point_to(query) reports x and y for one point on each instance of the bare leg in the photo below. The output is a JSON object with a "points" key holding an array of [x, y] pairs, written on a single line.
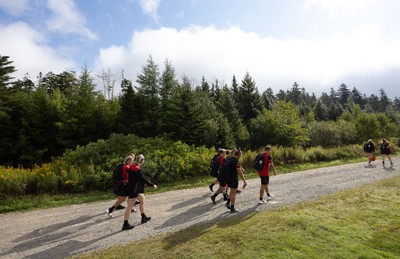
{"points": [[131, 203], [120, 200]]}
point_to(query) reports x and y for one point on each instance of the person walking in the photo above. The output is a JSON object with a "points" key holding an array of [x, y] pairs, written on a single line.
{"points": [[135, 190], [369, 148], [264, 175], [120, 186], [228, 176], [386, 150], [215, 165]]}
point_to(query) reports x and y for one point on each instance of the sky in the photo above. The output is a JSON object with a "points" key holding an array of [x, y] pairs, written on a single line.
{"points": [[319, 44]]}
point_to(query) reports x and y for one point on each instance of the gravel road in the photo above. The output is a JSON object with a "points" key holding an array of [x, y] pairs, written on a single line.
{"points": [[65, 231]]}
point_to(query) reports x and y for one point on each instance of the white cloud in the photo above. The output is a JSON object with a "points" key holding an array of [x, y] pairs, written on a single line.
{"points": [[15, 7], [337, 5], [67, 19], [220, 54], [29, 52], [150, 7]]}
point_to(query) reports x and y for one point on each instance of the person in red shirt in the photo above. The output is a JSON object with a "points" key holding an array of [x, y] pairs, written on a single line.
{"points": [[264, 174]]}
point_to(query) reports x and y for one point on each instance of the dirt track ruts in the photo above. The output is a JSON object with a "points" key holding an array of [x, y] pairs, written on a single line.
{"points": [[65, 231]]}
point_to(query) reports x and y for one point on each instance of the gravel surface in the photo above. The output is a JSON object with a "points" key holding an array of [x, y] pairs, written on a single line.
{"points": [[65, 231]]}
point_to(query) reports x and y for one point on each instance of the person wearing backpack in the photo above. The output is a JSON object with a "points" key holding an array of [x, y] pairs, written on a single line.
{"points": [[263, 172], [215, 164], [228, 177], [135, 191], [369, 148], [386, 150], [120, 178]]}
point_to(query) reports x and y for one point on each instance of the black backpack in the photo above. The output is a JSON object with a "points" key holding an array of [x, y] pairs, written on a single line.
{"points": [[258, 162], [117, 174], [214, 166]]}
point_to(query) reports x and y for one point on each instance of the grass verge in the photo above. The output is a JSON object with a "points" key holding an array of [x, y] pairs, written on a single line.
{"points": [[357, 223]]}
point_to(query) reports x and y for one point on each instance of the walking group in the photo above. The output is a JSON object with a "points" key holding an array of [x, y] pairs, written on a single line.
{"points": [[129, 181], [226, 171], [385, 150]]}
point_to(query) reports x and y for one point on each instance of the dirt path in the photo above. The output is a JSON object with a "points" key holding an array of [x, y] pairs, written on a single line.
{"points": [[65, 231]]}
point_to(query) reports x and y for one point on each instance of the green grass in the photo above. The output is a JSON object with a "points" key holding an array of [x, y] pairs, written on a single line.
{"points": [[357, 223], [30, 202]]}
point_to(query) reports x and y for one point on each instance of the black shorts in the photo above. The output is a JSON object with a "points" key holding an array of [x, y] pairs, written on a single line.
{"points": [[232, 183], [264, 180], [120, 189], [132, 195]]}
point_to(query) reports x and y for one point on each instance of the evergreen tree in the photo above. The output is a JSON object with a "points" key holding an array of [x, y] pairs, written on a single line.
{"points": [[186, 117], [149, 97], [344, 95], [228, 108], [268, 98], [250, 103], [320, 111], [129, 108]]}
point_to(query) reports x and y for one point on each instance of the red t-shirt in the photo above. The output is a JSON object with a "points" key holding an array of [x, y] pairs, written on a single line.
{"points": [[221, 160], [267, 160]]}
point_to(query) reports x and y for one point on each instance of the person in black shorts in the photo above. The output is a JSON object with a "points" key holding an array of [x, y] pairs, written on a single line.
{"points": [[386, 150], [120, 188], [135, 190], [228, 176], [369, 148]]}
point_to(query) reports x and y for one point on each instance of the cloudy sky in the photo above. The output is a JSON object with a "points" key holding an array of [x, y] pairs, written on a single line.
{"points": [[319, 44]]}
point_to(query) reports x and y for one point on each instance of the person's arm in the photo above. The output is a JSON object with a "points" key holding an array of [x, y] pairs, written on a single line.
{"points": [[271, 164], [143, 178], [240, 173]]}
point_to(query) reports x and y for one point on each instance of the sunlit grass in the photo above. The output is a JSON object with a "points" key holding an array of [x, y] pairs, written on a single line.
{"points": [[357, 223]]}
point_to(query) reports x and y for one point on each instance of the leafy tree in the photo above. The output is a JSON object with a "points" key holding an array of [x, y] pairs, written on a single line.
{"points": [[280, 126]]}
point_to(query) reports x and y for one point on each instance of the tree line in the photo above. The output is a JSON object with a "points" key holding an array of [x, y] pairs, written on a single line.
{"points": [[41, 120]]}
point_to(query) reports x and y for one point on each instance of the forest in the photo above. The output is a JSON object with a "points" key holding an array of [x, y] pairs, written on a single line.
{"points": [[44, 118]]}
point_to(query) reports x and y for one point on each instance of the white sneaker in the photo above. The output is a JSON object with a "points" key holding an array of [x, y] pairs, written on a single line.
{"points": [[269, 198], [109, 214], [261, 201]]}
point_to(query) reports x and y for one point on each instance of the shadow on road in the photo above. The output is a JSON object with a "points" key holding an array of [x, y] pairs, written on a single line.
{"points": [[53, 234], [193, 232]]}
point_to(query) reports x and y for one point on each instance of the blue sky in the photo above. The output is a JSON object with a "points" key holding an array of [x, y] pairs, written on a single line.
{"points": [[319, 44]]}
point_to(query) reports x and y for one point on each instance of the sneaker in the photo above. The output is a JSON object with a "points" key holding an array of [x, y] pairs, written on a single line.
{"points": [[213, 199], [120, 207], [269, 198], [238, 191], [261, 201], [109, 213], [145, 219], [133, 210], [228, 206], [127, 226], [226, 197], [234, 210], [211, 187]]}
